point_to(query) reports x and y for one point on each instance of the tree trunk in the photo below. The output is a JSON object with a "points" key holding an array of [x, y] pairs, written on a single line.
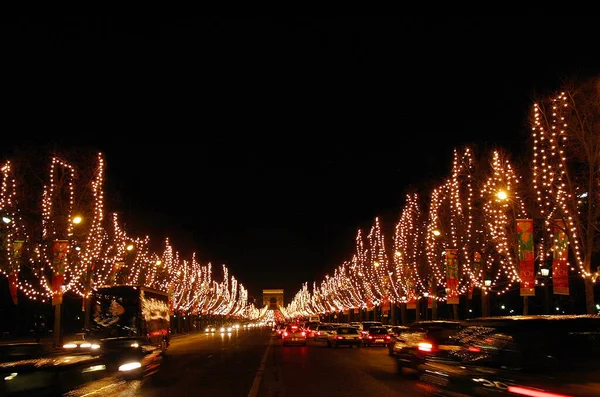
{"points": [[525, 305], [455, 311], [589, 296], [403, 313], [434, 306]]}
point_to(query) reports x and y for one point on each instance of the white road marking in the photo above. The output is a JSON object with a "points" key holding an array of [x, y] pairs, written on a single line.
{"points": [[259, 373]]}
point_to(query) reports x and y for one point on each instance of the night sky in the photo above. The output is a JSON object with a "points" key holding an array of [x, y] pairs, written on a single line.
{"points": [[266, 143]]}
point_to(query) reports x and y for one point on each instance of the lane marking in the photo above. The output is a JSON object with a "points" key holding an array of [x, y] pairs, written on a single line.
{"points": [[259, 373]]}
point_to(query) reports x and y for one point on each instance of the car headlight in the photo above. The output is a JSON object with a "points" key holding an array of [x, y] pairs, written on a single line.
{"points": [[207, 330], [95, 346], [222, 329], [85, 345], [70, 345], [229, 329], [130, 366]]}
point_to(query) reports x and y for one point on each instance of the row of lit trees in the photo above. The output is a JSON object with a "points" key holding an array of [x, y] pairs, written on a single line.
{"points": [[487, 226], [67, 245]]}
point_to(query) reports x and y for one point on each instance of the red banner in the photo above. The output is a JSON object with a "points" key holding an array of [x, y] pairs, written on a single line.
{"points": [[57, 283], [560, 265], [452, 276], [356, 310], [13, 277], [526, 258], [13, 284], [411, 304]]}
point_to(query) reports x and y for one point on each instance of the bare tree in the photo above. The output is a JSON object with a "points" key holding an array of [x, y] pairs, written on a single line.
{"points": [[566, 171]]}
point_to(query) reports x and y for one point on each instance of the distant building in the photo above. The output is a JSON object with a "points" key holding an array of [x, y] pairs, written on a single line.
{"points": [[273, 298]]}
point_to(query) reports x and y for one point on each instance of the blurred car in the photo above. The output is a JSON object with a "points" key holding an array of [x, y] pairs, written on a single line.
{"points": [[310, 329], [368, 324], [322, 332], [29, 369], [344, 336], [394, 331], [79, 344], [356, 325], [425, 338], [376, 336], [293, 335], [130, 357], [540, 356], [279, 329], [209, 329]]}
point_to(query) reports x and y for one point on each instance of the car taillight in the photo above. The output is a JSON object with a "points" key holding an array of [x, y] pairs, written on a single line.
{"points": [[285, 334], [474, 349], [339, 337], [303, 333], [523, 391], [370, 336], [387, 337], [425, 347], [318, 332]]}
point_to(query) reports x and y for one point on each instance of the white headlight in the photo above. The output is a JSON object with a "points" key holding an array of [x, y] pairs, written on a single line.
{"points": [[86, 345], [130, 366], [207, 330], [69, 345]]}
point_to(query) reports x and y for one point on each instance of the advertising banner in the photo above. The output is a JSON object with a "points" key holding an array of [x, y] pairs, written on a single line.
{"points": [[560, 265], [526, 257], [60, 248], [452, 276], [13, 276]]}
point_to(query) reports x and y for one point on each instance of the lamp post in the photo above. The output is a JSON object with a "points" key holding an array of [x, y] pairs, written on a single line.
{"points": [[545, 277]]}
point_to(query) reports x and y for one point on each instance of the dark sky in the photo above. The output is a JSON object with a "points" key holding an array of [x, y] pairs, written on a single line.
{"points": [[265, 143]]}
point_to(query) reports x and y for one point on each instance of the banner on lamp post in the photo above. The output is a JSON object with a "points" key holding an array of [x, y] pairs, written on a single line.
{"points": [[60, 248], [452, 276], [476, 274], [356, 309], [560, 265], [526, 258], [13, 276], [411, 303]]}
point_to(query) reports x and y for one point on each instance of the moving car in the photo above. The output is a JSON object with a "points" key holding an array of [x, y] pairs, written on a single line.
{"points": [[80, 344], [395, 331], [293, 335], [376, 336], [344, 336], [368, 324], [541, 356], [423, 339], [322, 331], [29, 369], [210, 329]]}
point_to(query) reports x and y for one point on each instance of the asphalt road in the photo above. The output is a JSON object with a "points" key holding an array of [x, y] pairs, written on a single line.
{"points": [[254, 364]]}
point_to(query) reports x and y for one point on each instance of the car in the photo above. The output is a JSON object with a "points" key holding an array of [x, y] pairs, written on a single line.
{"points": [[376, 336], [422, 339], [357, 325], [539, 355], [131, 357], [344, 336], [279, 329], [368, 324], [322, 331], [79, 344], [394, 331], [211, 328], [293, 335], [28, 368]]}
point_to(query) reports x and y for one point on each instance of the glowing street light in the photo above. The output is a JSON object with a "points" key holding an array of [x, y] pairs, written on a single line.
{"points": [[6, 219], [436, 232], [130, 247], [77, 220], [502, 195]]}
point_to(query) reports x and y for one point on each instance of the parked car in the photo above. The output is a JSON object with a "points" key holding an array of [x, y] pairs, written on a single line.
{"points": [[293, 335], [543, 356], [422, 339], [322, 331], [394, 332], [344, 336], [376, 336]]}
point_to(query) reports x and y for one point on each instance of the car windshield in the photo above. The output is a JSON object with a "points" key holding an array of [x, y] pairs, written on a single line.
{"points": [[378, 331], [347, 331]]}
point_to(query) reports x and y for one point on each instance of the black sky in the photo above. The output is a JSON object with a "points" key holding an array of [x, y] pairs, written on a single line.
{"points": [[265, 143]]}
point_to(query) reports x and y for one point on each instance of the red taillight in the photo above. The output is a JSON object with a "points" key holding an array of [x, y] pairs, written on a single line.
{"points": [[370, 336], [285, 334], [339, 337], [387, 337], [303, 333], [523, 391], [474, 349], [425, 347], [318, 332]]}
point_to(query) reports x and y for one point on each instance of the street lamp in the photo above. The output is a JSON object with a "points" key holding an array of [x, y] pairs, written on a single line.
{"points": [[487, 283], [545, 272], [6, 219]]}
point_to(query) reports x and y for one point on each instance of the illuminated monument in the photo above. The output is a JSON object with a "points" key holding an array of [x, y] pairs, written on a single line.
{"points": [[273, 298]]}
